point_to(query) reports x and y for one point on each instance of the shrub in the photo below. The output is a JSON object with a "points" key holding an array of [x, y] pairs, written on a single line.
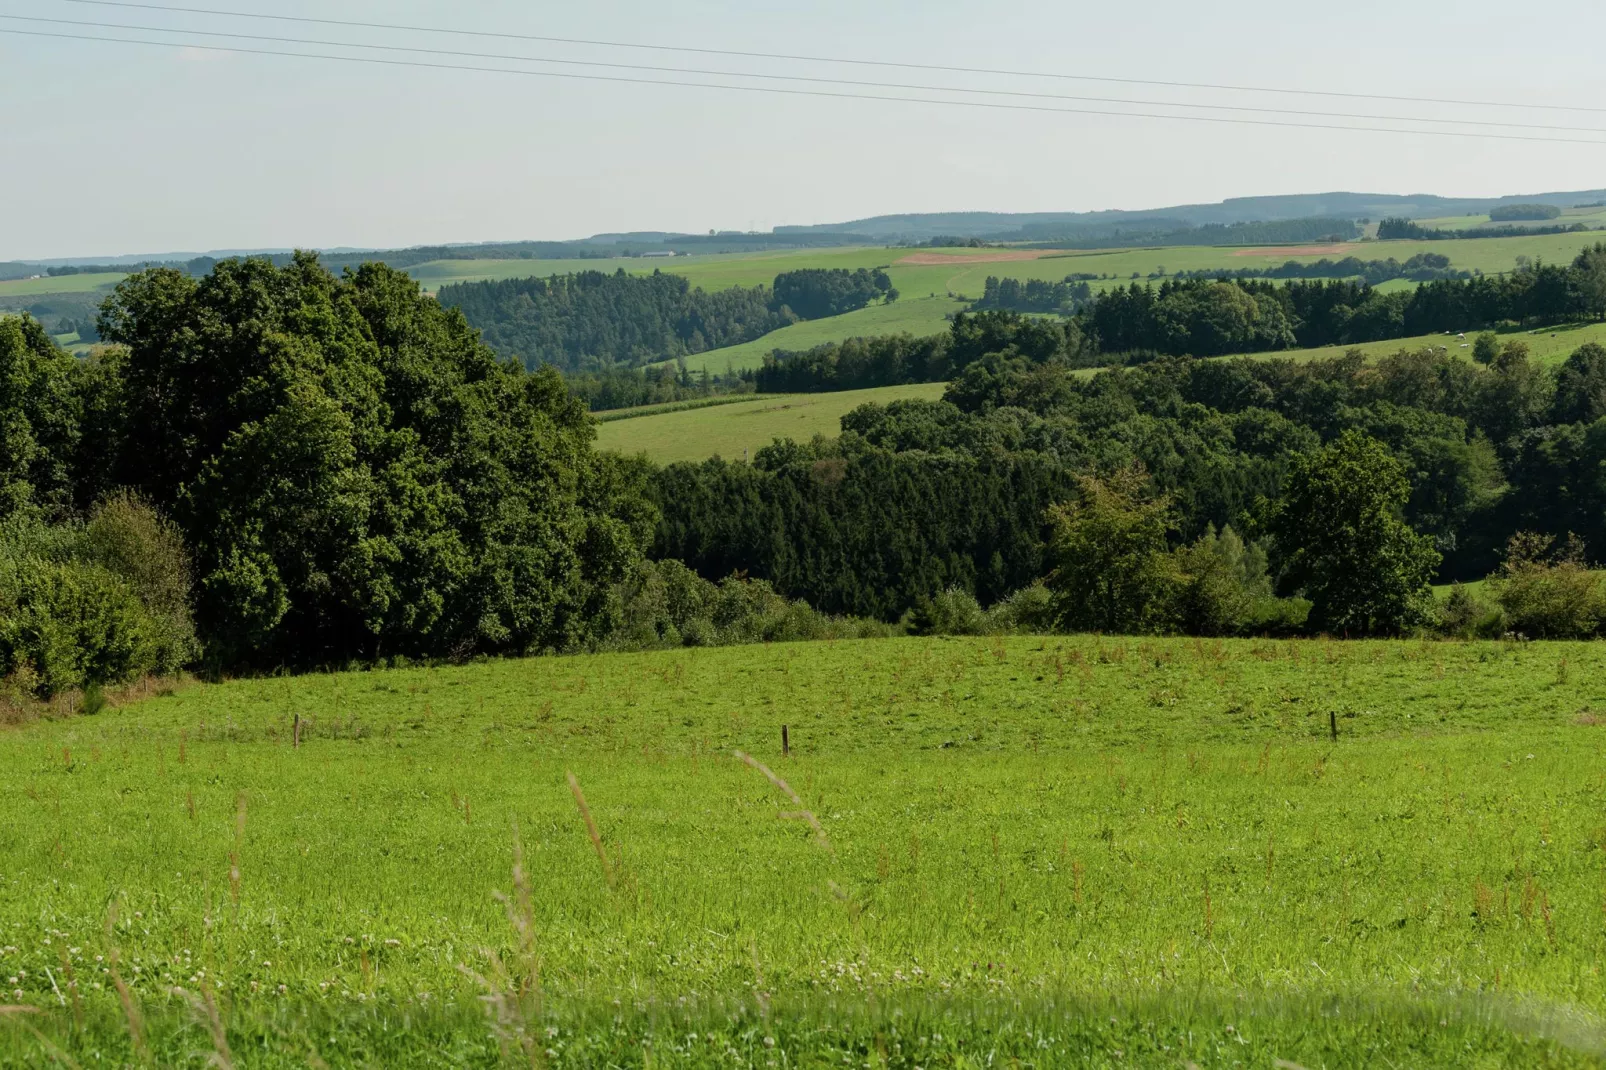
{"points": [[666, 604], [953, 611], [64, 625], [1548, 592], [131, 539], [1221, 582], [1029, 610], [1466, 616], [92, 604]]}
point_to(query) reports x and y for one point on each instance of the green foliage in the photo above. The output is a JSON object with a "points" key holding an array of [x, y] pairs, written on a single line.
{"points": [[67, 622], [591, 321], [1511, 213], [1110, 569], [1223, 587], [1581, 387], [1486, 347], [1036, 295], [1548, 591], [356, 475], [815, 293], [1465, 615], [1590, 279], [1344, 545], [38, 422], [953, 611], [665, 604]]}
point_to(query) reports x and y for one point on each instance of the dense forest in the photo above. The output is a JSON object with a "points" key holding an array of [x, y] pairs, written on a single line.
{"points": [[592, 322], [815, 293], [917, 496], [1065, 297], [1178, 232]]}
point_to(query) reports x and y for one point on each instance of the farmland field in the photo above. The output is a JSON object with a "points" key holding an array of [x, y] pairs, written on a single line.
{"points": [[1589, 217], [60, 284], [918, 316], [1043, 851], [1547, 345], [745, 426], [968, 270]]}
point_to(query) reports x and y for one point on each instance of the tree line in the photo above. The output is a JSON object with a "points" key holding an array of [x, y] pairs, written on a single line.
{"points": [[1407, 229], [1423, 267], [591, 322]]}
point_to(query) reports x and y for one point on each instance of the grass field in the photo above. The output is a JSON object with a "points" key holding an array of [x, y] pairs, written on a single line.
{"points": [[917, 316], [1589, 217], [1548, 345], [742, 428], [60, 284], [1036, 852]]}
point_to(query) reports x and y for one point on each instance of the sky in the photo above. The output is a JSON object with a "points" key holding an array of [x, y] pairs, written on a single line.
{"points": [[114, 149]]}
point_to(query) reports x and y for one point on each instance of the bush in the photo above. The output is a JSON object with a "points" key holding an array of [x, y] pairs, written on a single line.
{"points": [[94, 604], [131, 539], [1221, 583], [1466, 616], [1548, 592], [64, 625], [666, 604], [953, 611], [1029, 610]]}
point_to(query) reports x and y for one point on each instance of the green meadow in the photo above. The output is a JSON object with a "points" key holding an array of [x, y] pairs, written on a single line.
{"points": [[1026, 851], [741, 428], [1589, 217], [918, 316], [60, 284], [1546, 345]]}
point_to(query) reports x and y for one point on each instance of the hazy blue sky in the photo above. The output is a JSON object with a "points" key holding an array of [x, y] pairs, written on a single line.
{"points": [[116, 149]]}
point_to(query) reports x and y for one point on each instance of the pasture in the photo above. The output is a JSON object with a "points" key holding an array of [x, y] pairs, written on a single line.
{"points": [[918, 316], [742, 428], [1546, 345], [1589, 217], [1043, 851], [60, 284]]}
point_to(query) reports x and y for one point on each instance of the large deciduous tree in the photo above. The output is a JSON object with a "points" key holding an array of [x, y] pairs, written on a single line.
{"points": [[1342, 541], [1111, 569], [356, 474]]}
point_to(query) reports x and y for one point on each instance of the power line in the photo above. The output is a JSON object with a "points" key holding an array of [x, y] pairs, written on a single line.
{"points": [[833, 59], [801, 78], [777, 90], [804, 78]]}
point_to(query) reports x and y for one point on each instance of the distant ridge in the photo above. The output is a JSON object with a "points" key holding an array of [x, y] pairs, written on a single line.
{"points": [[1004, 225], [910, 227]]}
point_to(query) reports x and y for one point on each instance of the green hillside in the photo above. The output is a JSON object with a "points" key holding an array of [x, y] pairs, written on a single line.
{"points": [[917, 316], [742, 428], [59, 284]]}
